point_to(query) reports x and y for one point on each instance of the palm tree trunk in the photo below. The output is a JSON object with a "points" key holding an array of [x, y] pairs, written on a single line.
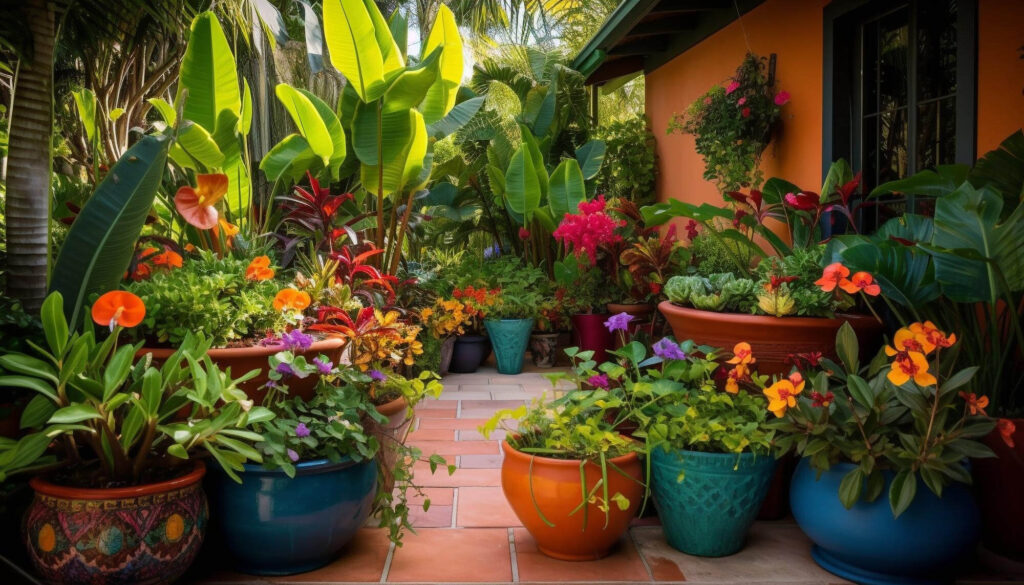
{"points": [[29, 159]]}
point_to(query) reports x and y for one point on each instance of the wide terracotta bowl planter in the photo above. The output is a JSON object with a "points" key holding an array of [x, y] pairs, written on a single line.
{"points": [[999, 483], [639, 311], [244, 359], [145, 535], [556, 492], [772, 339]]}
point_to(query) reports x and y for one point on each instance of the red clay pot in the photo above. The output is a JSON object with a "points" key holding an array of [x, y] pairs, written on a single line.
{"points": [[640, 311], [772, 339], [391, 436], [589, 333], [145, 535], [243, 359], [556, 492], [999, 483]]}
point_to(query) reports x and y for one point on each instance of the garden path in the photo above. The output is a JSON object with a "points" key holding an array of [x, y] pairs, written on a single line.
{"points": [[470, 535]]}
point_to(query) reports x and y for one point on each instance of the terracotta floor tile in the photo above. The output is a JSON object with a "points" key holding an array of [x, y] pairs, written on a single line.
{"points": [[457, 447], [437, 412], [475, 435], [447, 396], [362, 561], [509, 387], [480, 461], [437, 555], [432, 435], [484, 507], [461, 477], [488, 404], [451, 423], [438, 496], [435, 517], [624, 564], [432, 404]]}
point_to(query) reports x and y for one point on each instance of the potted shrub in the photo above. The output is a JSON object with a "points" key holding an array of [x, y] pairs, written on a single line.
{"points": [[573, 481], [550, 322], [785, 305], [472, 347], [445, 320], [962, 270], [121, 499], [583, 294], [882, 486], [509, 321]]}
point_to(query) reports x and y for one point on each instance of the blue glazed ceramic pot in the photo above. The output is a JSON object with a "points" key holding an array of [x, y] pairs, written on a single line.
{"points": [[469, 352], [709, 513], [867, 545], [275, 525], [509, 338]]}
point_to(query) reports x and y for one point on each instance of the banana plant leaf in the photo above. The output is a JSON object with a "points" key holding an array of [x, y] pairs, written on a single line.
{"points": [[522, 188], [308, 120], [566, 189], [208, 74], [100, 244], [460, 115], [352, 43], [591, 157], [440, 99], [1003, 169]]}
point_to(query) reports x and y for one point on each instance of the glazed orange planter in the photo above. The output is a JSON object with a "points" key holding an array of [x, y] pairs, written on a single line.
{"points": [[146, 535], [557, 491], [244, 359], [772, 339]]}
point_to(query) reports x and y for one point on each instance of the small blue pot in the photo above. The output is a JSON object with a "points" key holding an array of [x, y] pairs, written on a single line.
{"points": [[469, 352], [865, 544], [275, 525], [509, 338], [709, 513]]}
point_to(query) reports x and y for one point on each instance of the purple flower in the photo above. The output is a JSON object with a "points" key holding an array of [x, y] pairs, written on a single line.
{"points": [[324, 365], [301, 430], [283, 368], [618, 322], [270, 385], [293, 455], [377, 375], [296, 340], [492, 252], [669, 350], [599, 380]]}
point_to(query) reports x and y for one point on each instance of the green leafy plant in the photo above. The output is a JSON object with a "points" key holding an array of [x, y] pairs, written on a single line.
{"points": [[733, 125], [629, 169], [115, 421], [906, 416], [209, 295]]}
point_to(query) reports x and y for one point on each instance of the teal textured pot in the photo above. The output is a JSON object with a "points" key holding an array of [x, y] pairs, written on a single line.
{"points": [[509, 338], [709, 513]]}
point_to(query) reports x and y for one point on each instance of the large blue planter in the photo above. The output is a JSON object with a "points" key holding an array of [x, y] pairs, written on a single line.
{"points": [[275, 525], [509, 338], [709, 513], [867, 545]]}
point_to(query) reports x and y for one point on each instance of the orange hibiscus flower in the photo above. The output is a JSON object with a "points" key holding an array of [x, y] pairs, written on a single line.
{"points": [[289, 299]]}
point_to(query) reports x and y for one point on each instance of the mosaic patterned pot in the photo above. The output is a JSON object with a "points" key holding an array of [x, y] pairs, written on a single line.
{"points": [[145, 535], [709, 513]]}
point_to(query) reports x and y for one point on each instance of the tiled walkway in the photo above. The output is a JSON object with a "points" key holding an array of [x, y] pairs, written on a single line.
{"points": [[470, 535]]}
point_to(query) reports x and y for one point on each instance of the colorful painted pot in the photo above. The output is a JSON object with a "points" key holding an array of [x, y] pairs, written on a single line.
{"points": [[590, 334], [509, 337], [145, 535], [470, 351], [544, 349], [553, 488], [865, 544], [272, 524], [709, 512]]}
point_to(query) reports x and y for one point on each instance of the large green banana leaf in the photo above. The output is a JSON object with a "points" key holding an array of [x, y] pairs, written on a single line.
{"points": [[100, 244], [410, 87], [440, 99], [208, 74], [352, 43], [196, 148], [522, 189], [591, 157], [403, 172], [389, 49], [334, 128], [85, 101], [395, 132], [230, 143], [288, 159], [307, 119], [460, 115], [566, 189]]}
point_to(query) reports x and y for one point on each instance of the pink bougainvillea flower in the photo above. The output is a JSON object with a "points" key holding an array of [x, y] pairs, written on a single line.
{"points": [[588, 230], [804, 200], [198, 204], [741, 101], [733, 86], [781, 98]]}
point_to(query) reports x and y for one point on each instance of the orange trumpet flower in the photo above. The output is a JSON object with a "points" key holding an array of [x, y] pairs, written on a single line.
{"points": [[118, 307]]}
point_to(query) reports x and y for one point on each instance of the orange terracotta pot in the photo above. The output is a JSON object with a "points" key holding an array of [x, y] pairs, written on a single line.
{"points": [[772, 339], [244, 359], [391, 437], [640, 311], [557, 491]]}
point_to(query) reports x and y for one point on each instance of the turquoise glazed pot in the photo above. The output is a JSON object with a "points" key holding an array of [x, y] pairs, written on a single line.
{"points": [[275, 525], [509, 337], [865, 544], [709, 513]]}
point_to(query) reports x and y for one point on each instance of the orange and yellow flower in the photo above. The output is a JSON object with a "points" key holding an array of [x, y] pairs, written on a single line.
{"points": [[861, 282], [834, 275], [197, 205], [168, 258], [931, 336], [743, 357], [910, 364], [1006, 430], [975, 404], [289, 299], [118, 308], [782, 394], [905, 341], [259, 269]]}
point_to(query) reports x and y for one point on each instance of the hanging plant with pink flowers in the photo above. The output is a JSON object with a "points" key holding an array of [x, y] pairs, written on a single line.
{"points": [[733, 124]]}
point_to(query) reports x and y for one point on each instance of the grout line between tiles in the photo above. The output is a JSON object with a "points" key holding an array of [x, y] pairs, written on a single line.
{"points": [[640, 553], [387, 563], [458, 409], [512, 554], [455, 506]]}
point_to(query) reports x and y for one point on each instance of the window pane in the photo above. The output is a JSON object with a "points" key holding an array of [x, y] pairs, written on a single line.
{"points": [[892, 145], [893, 38], [870, 72], [936, 48], [936, 133], [869, 166]]}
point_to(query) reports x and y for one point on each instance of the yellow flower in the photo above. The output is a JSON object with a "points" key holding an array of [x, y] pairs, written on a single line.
{"points": [[906, 340], [742, 354], [426, 313], [910, 364], [782, 394]]}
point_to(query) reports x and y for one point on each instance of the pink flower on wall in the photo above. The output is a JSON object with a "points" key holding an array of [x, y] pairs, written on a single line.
{"points": [[745, 112], [781, 98], [741, 101], [733, 86]]}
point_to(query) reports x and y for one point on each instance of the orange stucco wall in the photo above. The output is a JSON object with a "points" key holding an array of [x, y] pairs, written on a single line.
{"points": [[792, 29]]}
